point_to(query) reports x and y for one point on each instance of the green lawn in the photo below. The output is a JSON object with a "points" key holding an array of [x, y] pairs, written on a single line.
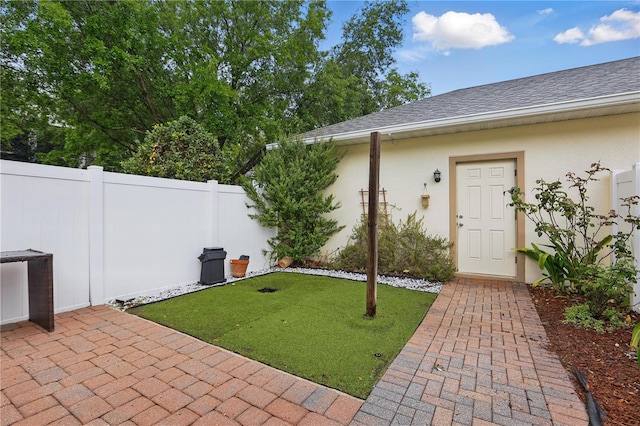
{"points": [[312, 326]]}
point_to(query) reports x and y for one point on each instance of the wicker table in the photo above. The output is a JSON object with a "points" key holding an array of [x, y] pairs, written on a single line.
{"points": [[40, 276]]}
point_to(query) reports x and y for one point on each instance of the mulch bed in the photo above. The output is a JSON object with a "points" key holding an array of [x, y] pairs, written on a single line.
{"points": [[613, 378]]}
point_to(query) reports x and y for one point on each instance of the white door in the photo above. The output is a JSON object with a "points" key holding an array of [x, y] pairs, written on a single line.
{"points": [[486, 226]]}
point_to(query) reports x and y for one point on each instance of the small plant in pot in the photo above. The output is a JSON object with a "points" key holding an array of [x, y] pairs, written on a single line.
{"points": [[239, 266]]}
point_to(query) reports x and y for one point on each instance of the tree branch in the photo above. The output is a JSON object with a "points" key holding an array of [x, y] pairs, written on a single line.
{"points": [[250, 164], [147, 98]]}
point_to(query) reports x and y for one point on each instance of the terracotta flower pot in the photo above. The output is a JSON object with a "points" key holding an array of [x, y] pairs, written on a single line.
{"points": [[238, 267]]}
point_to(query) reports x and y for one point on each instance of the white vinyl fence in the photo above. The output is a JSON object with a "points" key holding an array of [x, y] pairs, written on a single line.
{"points": [[114, 235], [626, 184]]}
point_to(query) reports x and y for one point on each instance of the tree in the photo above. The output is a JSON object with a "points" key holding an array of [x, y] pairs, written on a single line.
{"points": [[357, 77], [180, 149], [99, 75], [107, 72], [287, 194], [251, 63], [91, 69]]}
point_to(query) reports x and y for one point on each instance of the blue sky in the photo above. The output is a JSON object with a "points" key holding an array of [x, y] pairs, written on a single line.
{"points": [[459, 44]]}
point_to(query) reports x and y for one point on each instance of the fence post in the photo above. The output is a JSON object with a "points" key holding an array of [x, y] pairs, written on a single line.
{"points": [[635, 297], [96, 235], [213, 223]]}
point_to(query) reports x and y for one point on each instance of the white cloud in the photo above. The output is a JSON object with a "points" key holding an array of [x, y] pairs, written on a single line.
{"points": [[411, 55], [622, 24], [547, 11], [456, 30], [572, 35]]}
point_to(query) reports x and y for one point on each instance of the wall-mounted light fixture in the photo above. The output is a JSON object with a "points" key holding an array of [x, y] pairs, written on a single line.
{"points": [[436, 175]]}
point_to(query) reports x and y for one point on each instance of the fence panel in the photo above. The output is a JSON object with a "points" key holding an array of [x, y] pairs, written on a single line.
{"points": [[114, 235], [239, 234], [154, 230], [44, 208], [626, 184]]}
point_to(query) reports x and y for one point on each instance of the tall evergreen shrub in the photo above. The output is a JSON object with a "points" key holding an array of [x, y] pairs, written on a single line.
{"points": [[287, 193]]}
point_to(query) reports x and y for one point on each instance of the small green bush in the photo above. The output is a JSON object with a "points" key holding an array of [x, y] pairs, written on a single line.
{"points": [[180, 149], [607, 287], [580, 315], [403, 249], [581, 246]]}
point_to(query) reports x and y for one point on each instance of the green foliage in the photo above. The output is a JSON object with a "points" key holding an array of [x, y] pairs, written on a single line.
{"points": [[554, 266], [83, 81], [577, 234], [582, 246], [607, 287], [580, 315], [357, 76], [635, 341], [180, 149], [287, 194], [88, 68], [403, 249], [312, 326]]}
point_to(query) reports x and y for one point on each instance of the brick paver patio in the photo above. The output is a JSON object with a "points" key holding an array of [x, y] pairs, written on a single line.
{"points": [[477, 358], [105, 367]]}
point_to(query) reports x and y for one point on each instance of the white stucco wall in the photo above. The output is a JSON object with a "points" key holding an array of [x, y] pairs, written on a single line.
{"points": [[550, 151]]}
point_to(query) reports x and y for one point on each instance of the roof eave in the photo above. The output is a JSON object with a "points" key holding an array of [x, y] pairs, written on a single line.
{"points": [[561, 111]]}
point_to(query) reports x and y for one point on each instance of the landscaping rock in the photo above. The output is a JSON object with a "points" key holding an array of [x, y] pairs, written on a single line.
{"points": [[403, 282]]}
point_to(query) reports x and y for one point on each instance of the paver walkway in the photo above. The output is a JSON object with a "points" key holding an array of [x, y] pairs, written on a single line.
{"points": [[477, 358]]}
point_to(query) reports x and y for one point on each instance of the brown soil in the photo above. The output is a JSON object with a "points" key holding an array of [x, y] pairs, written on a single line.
{"points": [[613, 378]]}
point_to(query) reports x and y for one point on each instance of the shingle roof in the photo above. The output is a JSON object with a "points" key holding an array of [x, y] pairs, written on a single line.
{"points": [[587, 82]]}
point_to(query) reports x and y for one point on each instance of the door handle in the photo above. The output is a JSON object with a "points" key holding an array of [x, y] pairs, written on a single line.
{"points": [[460, 224]]}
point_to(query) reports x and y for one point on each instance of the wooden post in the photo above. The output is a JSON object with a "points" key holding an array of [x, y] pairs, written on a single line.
{"points": [[372, 224]]}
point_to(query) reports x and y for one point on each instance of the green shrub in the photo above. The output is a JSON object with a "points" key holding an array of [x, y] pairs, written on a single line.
{"points": [[578, 235], [180, 149], [287, 194], [554, 267], [580, 315], [581, 247], [607, 287], [403, 249]]}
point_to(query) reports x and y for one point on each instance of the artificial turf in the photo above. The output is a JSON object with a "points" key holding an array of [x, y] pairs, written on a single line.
{"points": [[313, 326]]}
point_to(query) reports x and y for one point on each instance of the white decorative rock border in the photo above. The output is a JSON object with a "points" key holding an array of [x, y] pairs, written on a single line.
{"points": [[403, 282]]}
